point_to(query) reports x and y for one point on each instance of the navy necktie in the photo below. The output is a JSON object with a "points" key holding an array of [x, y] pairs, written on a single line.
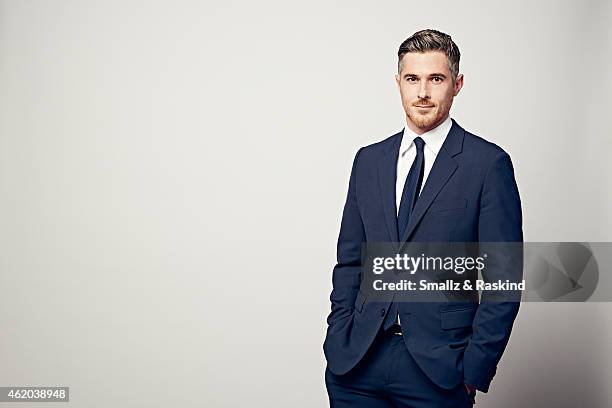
{"points": [[412, 187]]}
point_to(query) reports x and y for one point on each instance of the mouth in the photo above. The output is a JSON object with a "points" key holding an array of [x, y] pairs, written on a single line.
{"points": [[424, 106]]}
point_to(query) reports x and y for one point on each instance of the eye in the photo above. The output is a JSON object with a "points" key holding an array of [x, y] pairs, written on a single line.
{"points": [[437, 79], [411, 79]]}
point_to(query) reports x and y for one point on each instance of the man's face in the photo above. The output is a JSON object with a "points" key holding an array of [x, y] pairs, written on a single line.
{"points": [[427, 89]]}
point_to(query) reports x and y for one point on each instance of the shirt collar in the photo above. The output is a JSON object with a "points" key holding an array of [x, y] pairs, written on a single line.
{"points": [[433, 138]]}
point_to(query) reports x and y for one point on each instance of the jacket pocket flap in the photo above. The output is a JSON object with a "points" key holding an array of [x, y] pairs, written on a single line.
{"points": [[447, 205], [454, 319]]}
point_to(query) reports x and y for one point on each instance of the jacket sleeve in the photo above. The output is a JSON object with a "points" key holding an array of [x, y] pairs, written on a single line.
{"points": [[500, 220], [346, 276]]}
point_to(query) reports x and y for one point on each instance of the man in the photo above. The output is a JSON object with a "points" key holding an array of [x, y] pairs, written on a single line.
{"points": [[434, 181]]}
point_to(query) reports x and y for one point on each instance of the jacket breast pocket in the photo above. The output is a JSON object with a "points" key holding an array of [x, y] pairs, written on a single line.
{"points": [[448, 207], [456, 319]]}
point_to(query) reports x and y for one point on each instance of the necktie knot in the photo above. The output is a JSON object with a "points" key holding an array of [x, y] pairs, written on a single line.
{"points": [[419, 143]]}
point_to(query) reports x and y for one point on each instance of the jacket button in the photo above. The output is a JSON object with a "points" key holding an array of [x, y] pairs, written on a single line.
{"points": [[382, 312]]}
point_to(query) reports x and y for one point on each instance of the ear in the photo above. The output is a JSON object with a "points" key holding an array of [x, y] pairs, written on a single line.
{"points": [[458, 84], [397, 80]]}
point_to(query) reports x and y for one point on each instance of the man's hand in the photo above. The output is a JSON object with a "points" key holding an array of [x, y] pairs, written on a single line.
{"points": [[470, 388]]}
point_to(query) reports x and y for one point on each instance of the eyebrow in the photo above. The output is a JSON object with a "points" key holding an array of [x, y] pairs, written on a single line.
{"points": [[437, 74]]}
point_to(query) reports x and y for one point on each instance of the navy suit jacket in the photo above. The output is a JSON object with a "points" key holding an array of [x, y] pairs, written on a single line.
{"points": [[470, 195]]}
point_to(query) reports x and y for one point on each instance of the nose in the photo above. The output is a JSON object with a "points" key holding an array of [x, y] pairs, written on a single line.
{"points": [[424, 90]]}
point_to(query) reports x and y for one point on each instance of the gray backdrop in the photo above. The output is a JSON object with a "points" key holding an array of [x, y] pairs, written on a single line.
{"points": [[169, 169]]}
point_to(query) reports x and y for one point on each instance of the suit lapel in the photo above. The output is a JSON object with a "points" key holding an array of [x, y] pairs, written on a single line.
{"points": [[443, 168], [387, 174]]}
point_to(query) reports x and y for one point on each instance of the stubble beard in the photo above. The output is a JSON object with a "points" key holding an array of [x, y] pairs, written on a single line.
{"points": [[430, 119], [423, 121]]}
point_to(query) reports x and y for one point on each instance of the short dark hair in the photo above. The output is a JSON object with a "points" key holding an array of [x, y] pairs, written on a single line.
{"points": [[431, 40]]}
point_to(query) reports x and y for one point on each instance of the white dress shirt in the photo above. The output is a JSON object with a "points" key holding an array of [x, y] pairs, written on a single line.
{"points": [[433, 142]]}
